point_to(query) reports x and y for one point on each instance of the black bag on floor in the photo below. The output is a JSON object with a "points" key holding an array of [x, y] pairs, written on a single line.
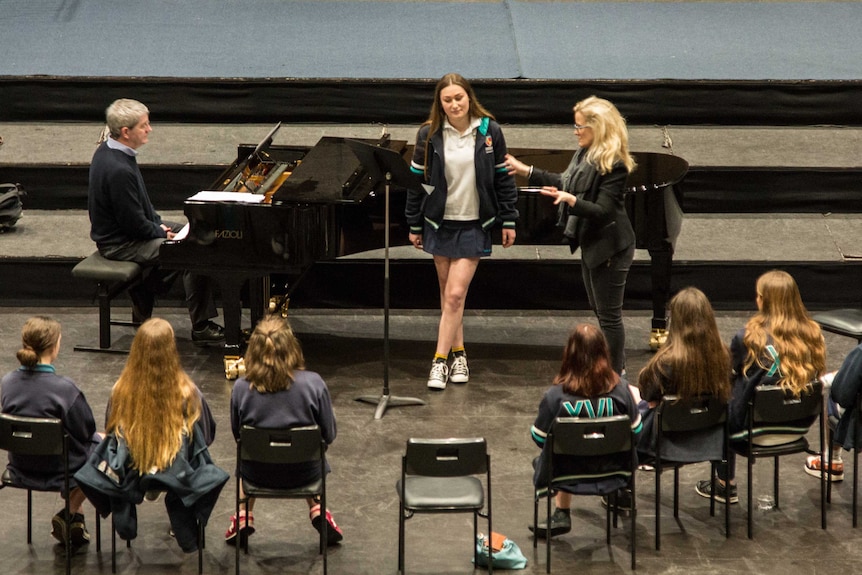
{"points": [[10, 205]]}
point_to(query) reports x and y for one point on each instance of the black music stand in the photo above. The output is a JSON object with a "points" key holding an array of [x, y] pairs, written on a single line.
{"points": [[385, 165]]}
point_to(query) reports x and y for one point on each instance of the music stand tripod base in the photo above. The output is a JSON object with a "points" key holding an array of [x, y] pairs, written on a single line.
{"points": [[384, 401]]}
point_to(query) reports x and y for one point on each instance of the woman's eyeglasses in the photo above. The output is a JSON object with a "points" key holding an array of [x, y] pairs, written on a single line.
{"points": [[578, 127]]}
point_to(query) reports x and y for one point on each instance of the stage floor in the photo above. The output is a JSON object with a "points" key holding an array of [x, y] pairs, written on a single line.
{"points": [[513, 358]]}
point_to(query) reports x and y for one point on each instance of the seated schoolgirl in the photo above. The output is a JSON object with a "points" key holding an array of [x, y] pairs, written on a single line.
{"points": [[693, 362], [35, 390], [159, 427], [586, 386], [278, 392]]}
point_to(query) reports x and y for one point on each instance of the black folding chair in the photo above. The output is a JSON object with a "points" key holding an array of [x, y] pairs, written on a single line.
{"points": [[832, 425], [774, 411], [36, 436], [693, 417], [605, 448], [282, 446], [441, 476]]}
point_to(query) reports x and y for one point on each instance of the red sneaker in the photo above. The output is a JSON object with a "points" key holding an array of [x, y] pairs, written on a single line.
{"points": [[333, 531], [244, 529]]}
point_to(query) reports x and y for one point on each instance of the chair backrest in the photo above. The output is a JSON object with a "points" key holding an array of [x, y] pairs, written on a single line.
{"points": [[293, 445], [772, 404], [451, 457], [32, 435], [592, 437], [691, 414]]}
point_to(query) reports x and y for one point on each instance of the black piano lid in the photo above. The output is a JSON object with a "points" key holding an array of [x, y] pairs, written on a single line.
{"points": [[323, 173], [655, 171]]}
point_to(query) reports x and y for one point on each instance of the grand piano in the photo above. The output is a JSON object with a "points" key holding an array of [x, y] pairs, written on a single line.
{"points": [[279, 209]]}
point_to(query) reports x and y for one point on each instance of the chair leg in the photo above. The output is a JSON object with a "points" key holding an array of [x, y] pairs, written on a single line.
{"points": [[828, 475], [634, 518], [775, 482], [29, 517], [676, 492], [113, 546], [657, 472], [855, 482], [98, 533], [200, 548], [548, 532], [535, 520], [401, 537], [750, 490]]}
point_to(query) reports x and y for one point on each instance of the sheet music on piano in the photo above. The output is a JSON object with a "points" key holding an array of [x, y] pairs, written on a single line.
{"points": [[217, 196]]}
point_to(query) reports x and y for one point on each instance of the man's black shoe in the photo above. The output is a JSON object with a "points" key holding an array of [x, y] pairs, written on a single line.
{"points": [[561, 523], [210, 334]]}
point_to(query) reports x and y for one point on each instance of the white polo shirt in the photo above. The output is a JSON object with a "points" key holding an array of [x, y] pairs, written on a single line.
{"points": [[459, 150]]}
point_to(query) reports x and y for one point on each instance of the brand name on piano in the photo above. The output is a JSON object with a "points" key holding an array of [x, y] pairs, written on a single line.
{"points": [[228, 234]]}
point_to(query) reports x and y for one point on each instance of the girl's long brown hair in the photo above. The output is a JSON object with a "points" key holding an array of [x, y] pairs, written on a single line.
{"points": [[437, 115], [796, 337], [154, 402], [694, 361], [586, 369]]}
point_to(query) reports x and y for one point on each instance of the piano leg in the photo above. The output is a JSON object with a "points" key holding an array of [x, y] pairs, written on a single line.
{"points": [[660, 271]]}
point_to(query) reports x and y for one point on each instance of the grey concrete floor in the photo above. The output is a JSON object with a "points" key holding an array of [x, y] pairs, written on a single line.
{"points": [[513, 357]]}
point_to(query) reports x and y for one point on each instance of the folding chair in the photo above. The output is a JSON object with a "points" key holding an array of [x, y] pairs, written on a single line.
{"points": [[693, 417], [441, 476], [281, 446], [774, 411], [605, 449], [37, 437], [832, 425]]}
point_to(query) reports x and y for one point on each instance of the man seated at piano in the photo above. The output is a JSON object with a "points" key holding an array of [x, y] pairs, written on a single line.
{"points": [[126, 226]]}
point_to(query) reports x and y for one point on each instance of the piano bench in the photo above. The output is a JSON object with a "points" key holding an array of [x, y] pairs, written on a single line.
{"points": [[112, 278], [847, 322]]}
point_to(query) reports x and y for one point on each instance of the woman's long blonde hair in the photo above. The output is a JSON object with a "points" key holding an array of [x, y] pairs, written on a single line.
{"points": [[154, 402], [610, 135], [796, 337], [272, 356], [694, 359]]}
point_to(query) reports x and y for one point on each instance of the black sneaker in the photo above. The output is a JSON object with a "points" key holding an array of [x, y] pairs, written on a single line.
{"points": [[211, 334], [561, 523], [80, 535], [721, 491], [624, 502], [58, 526]]}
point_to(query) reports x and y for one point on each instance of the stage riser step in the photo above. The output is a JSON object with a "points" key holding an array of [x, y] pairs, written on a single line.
{"points": [[499, 284], [705, 189], [400, 101]]}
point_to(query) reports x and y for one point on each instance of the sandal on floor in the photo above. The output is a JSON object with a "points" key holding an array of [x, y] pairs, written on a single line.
{"points": [[333, 531]]}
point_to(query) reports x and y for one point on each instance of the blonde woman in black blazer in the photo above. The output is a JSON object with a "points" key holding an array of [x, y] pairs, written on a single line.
{"points": [[590, 193]]}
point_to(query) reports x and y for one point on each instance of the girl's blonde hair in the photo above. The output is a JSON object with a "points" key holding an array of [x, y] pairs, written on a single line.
{"points": [[796, 337], [154, 403]]}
